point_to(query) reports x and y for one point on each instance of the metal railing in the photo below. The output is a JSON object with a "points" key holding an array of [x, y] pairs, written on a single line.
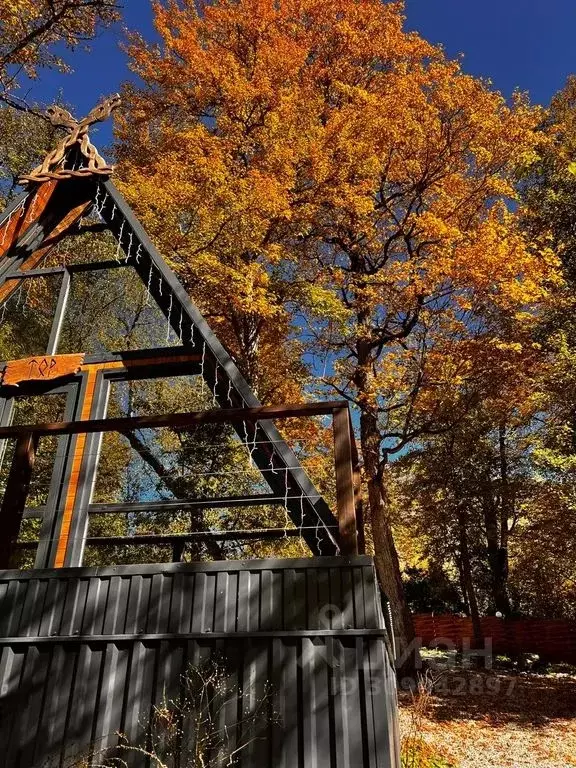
{"points": [[346, 530]]}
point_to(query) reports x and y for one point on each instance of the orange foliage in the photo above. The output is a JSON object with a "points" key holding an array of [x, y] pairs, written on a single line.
{"points": [[263, 126], [313, 153]]}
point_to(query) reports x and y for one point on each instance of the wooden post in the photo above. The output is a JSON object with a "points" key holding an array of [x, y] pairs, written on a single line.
{"points": [[357, 489], [343, 464], [14, 500]]}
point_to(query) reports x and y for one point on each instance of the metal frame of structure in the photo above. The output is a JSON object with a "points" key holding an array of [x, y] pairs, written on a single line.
{"points": [[90, 654], [68, 200]]}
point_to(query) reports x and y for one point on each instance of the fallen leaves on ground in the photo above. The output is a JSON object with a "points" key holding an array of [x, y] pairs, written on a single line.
{"points": [[494, 719]]}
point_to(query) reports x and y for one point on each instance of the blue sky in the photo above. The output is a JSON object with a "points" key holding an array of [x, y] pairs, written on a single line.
{"points": [[525, 44]]}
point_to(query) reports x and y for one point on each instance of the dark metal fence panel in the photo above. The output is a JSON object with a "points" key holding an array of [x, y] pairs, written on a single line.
{"points": [[247, 596], [87, 654]]}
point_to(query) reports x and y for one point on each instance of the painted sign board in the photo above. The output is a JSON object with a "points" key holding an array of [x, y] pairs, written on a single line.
{"points": [[41, 368]]}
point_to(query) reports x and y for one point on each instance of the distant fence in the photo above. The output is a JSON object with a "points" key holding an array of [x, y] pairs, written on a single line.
{"points": [[552, 639]]}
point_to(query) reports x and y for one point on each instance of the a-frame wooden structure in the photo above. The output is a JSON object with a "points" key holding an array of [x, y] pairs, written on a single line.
{"points": [[87, 654], [34, 225]]}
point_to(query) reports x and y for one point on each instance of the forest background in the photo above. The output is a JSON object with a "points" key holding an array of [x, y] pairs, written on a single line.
{"points": [[358, 217]]}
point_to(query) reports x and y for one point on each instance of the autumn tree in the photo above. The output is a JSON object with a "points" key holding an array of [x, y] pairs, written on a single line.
{"points": [[548, 215], [33, 34], [25, 139], [466, 491], [31, 30], [313, 154], [491, 505]]}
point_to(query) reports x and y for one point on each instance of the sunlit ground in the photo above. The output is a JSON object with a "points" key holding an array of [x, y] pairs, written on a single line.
{"points": [[503, 718]]}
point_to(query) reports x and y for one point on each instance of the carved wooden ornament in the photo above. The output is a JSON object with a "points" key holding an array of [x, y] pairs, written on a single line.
{"points": [[41, 368], [51, 167]]}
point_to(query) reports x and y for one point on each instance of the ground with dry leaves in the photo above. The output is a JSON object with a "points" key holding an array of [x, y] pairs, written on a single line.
{"points": [[497, 719]]}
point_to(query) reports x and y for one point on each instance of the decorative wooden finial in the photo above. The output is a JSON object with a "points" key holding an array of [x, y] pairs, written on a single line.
{"points": [[52, 167]]}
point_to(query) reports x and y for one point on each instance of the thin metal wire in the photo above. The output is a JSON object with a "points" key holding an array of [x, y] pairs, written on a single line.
{"points": [[272, 500], [208, 533]]}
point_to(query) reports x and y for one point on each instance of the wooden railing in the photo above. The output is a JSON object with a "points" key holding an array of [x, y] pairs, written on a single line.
{"points": [[346, 530]]}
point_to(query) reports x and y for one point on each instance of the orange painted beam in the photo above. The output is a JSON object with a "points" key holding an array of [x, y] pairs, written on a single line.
{"points": [[48, 243], [92, 369], [20, 220], [77, 460]]}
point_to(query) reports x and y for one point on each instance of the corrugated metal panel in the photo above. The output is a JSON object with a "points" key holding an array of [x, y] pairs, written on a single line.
{"points": [[87, 653], [250, 596]]}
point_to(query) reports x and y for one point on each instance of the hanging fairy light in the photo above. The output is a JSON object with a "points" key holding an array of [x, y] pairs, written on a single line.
{"points": [[119, 244], [214, 401], [149, 285], [169, 326], [129, 253]]}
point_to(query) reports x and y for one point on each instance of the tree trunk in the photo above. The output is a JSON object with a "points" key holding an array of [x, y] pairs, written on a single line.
{"points": [[506, 514], [462, 582], [468, 582], [497, 557], [385, 554]]}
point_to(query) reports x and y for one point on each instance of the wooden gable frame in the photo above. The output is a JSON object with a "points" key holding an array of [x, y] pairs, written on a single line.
{"points": [[35, 223]]}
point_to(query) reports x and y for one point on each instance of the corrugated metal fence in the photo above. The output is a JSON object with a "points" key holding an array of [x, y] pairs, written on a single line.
{"points": [[86, 655]]}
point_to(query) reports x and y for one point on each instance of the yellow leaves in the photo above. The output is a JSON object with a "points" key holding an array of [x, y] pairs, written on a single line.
{"points": [[30, 29], [323, 303]]}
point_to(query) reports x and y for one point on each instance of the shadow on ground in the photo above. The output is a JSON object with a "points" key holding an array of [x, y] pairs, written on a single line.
{"points": [[500, 697]]}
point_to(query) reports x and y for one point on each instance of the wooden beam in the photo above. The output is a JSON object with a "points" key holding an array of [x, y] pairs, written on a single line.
{"points": [[357, 477], [345, 502], [14, 501], [47, 244], [41, 368], [26, 209], [175, 420], [75, 473]]}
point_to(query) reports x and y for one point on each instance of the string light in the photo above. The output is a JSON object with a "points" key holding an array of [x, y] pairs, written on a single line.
{"points": [[119, 244], [6, 228], [202, 363], [148, 287], [97, 198], [33, 206], [286, 492], [169, 328], [130, 239], [214, 402]]}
